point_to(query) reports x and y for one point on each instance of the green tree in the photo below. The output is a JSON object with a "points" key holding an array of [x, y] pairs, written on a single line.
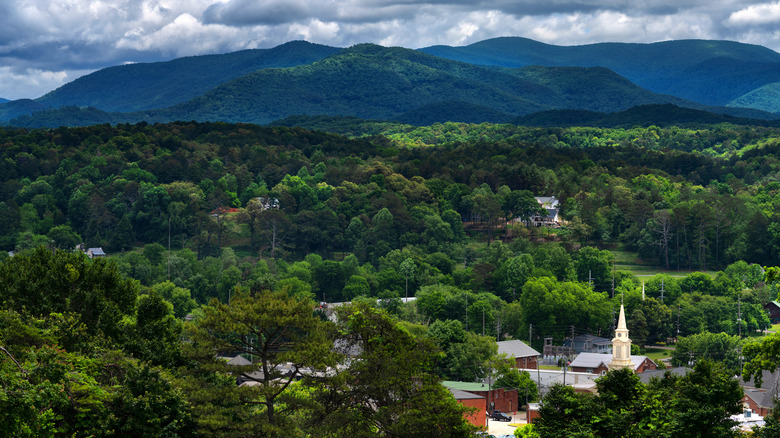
{"points": [[41, 282], [407, 270], [273, 329], [63, 237], [596, 265], [389, 388], [179, 297], [708, 346]]}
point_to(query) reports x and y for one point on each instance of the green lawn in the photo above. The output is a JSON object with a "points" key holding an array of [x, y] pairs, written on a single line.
{"points": [[628, 261], [656, 354]]}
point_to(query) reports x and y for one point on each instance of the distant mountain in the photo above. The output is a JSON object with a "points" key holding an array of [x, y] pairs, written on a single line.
{"points": [[708, 72], [368, 81], [766, 98], [4, 100], [374, 82], [135, 87], [16, 108], [644, 115]]}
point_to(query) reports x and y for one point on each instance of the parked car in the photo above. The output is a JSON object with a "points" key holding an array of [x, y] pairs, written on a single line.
{"points": [[500, 416]]}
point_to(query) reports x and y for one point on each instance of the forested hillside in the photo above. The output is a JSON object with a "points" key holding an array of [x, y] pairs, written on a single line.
{"points": [[143, 86], [709, 72], [246, 228], [366, 81]]}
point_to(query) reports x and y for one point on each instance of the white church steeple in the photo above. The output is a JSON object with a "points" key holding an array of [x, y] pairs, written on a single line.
{"points": [[621, 344]]}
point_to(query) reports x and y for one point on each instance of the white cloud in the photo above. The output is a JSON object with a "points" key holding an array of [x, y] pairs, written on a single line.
{"points": [[32, 82], [764, 13]]}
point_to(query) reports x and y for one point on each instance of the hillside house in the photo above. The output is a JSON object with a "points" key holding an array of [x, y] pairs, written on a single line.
{"points": [[551, 219], [773, 307], [95, 253]]}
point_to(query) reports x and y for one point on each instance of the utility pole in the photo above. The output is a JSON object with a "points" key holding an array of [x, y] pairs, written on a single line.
{"points": [[467, 313], [590, 279], [530, 328], [169, 248], [739, 315], [662, 290], [483, 322], [613, 285], [613, 320], [678, 320], [498, 329]]}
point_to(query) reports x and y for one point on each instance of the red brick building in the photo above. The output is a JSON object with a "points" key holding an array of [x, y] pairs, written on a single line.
{"points": [[524, 356], [494, 398], [478, 417]]}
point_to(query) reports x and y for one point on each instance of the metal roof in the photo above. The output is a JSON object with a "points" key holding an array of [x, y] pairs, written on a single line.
{"points": [[516, 349]]}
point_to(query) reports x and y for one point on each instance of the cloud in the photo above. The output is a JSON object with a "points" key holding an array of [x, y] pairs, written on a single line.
{"points": [[761, 14], [39, 36], [19, 84]]}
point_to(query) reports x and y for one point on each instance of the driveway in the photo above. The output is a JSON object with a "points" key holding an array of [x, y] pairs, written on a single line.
{"points": [[499, 428]]}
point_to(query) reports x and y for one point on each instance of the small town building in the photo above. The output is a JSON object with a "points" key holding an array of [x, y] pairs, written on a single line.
{"points": [[621, 344], [588, 344], [598, 363], [495, 398], [524, 356], [760, 399], [479, 416]]}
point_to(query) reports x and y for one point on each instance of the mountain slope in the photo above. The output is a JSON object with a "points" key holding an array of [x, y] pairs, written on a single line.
{"points": [[766, 98], [374, 82], [16, 108], [708, 72], [136, 87]]}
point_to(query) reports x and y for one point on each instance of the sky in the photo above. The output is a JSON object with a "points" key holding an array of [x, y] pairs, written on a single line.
{"points": [[47, 43]]}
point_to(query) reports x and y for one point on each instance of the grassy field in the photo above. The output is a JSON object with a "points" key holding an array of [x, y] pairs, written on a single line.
{"points": [[628, 261], [656, 354]]}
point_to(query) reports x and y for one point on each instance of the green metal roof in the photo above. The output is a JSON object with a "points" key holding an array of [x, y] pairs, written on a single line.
{"points": [[465, 386]]}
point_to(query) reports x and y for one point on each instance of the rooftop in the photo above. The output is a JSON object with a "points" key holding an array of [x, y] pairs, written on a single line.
{"points": [[515, 348]]}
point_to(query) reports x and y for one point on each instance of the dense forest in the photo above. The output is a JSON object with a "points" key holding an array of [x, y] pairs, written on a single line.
{"points": [[217, 232]]}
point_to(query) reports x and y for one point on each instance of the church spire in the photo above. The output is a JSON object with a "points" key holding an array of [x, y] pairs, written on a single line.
{"points": [[621, 344]]}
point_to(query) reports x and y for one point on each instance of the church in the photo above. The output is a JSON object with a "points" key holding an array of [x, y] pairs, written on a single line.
{"points": [[599, 363]]}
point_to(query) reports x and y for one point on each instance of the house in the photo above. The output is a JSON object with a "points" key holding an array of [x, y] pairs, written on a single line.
{"points": [[239, 360], [773, 307], [551, 218], [524, 356], [589, 344], [596, 363], [95, 252], [477, 418], [761, 399], [267, 203]]}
